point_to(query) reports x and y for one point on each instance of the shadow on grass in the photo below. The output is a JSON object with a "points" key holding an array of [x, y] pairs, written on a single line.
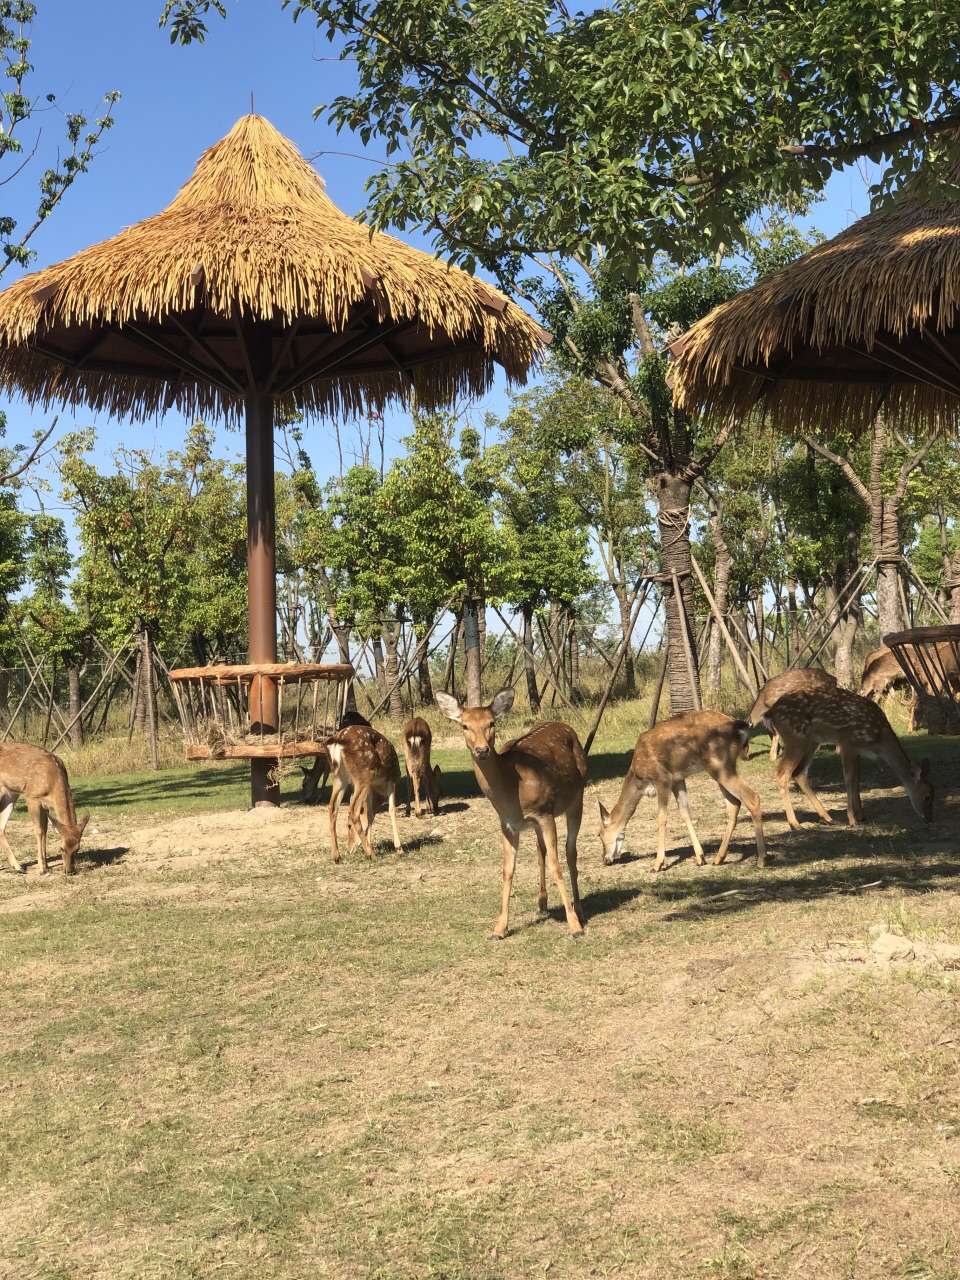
{"points": [[104, 857]]}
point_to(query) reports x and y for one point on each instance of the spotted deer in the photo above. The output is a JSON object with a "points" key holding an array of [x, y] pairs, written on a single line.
{"points": [[316, 776], [534, 780], [858, 727], [800, 678], [417, 739], [366, 761], [664, 757], [41, 778]]}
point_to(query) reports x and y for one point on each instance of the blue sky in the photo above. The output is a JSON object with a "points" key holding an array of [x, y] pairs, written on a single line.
{"points": [[175, 103]]}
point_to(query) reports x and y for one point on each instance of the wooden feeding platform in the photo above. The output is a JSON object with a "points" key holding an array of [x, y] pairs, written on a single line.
{"points": [[930, 658], [220, 706]]}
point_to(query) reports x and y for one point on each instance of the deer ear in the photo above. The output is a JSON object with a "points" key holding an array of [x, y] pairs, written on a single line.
{"points": [[502, 703], [449, 706], [82, 823], [604, 815]]}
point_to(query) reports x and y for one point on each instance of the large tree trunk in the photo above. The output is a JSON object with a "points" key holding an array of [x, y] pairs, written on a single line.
{"points": [[885, 536], [390, 633], [341, 633], [628, 668], [529, 670], [673, 520], [421, 662], [472, 651], [953, 587], [573, 645]]}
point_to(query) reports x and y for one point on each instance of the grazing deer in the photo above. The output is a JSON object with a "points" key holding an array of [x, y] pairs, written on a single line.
{"points": [[41, 778], [881, 673], [533, 781], [858, 727], [365, 760], [664, 757], [800, 678], [316, 776], [417, 740]]}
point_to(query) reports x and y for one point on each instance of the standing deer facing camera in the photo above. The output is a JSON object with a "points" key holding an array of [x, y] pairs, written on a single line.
{"points": [[858, 727], [664, 757], [417, 740], [530, 783], [41, 778]]}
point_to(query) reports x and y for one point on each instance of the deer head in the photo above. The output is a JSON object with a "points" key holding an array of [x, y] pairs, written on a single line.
{"points": [[478, 723], [69, 841]]}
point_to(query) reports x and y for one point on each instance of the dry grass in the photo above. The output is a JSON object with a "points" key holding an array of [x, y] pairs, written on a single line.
{"points": [[226, 1056]]}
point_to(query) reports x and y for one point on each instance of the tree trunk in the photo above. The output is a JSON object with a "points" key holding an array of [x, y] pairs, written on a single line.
{"points": [[528, 667], [953, 587], [149, 695], [628, 668], [673, 520], [721, 594], [573, 645], [390, 632], [472, 651], [75, 702], [885, 537], [376, 646], [421, 662], [449, 674]]}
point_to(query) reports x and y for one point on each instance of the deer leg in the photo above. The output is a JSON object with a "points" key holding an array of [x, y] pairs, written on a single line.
{"points": [[802, 779], [511, 844], [392, 806], [5, 813], [774, 746], [548, 825], [662, 796], [542, 862], [736, 792], [574, 818], [409, 781], [336, 795], [795, 759], [683, 804], [363, 810], [851, 776], [39, 816]]}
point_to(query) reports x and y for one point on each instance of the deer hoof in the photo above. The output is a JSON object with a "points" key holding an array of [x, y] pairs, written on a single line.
{"points": [[497, 937]]}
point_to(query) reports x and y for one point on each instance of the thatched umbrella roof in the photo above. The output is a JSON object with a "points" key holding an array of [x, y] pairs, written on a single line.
{"points": [[253, 290], [153, 318], [870, 317]]}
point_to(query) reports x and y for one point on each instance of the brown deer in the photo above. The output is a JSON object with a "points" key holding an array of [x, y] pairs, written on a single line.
{"points": [[800, 678], [365, 760], [417, 739], [664, 757], [858, 727], [533, 781], [881, 673], [316, 776], [41, 778]]}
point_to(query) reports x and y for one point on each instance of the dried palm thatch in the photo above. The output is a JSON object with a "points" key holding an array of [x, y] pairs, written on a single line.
{"points": [[867, 319], [252, 251]]}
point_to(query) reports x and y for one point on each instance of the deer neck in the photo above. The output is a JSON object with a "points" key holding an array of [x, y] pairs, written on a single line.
{"points": [[898, 760], [631, 793], [497, 782]]}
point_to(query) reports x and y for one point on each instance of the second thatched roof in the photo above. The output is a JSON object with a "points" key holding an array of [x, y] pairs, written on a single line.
{"points": [[155, 317], [870, 318]]}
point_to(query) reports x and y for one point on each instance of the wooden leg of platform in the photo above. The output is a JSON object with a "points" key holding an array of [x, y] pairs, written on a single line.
{"points": [[264, 790]]}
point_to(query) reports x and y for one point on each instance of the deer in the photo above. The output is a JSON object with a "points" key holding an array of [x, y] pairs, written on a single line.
{"points": [[882, 672], [788, 682], [531, 782], [664, 757], [858, 726], [41, 778], [316, 776], [417, 739], [365, 760]]}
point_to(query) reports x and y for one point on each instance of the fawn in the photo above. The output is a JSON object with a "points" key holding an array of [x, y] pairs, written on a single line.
{"points": [[367, 761], [417, 739], [664, 757]]}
